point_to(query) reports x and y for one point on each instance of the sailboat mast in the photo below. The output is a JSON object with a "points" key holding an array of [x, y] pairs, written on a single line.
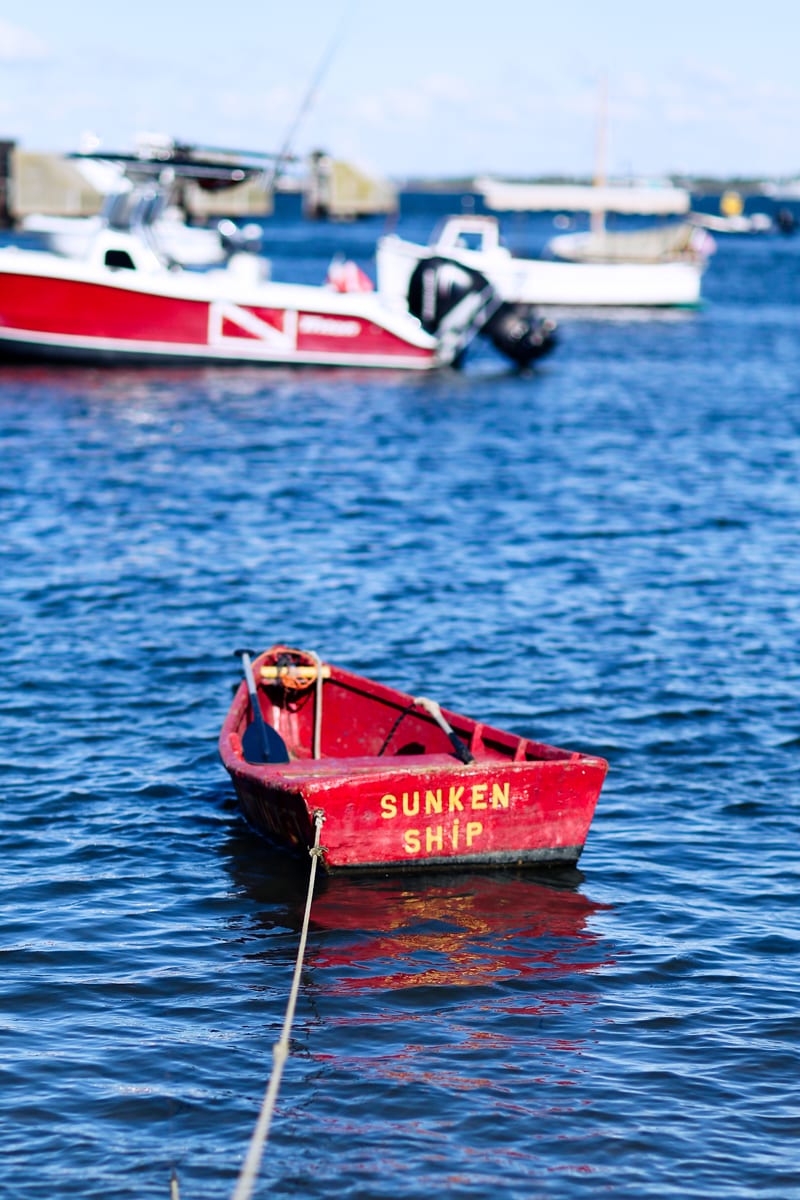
{"points": [[598, 216]]}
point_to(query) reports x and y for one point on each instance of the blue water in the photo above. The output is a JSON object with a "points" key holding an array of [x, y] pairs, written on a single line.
{"points": [[604, 554]]}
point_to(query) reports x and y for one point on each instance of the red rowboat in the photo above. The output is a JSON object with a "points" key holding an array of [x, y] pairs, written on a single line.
{"points": [[399, 783]]}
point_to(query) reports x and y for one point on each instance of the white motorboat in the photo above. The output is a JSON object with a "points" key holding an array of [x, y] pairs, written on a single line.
{"points": [[758, 222], [671, 280], [124, 299], [732, 218]]}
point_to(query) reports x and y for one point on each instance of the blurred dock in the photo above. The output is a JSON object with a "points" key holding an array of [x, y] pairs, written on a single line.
{"points": [[59, 185]]}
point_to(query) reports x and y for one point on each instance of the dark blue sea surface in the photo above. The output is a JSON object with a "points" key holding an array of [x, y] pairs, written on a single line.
{"points": [[603, 554]]}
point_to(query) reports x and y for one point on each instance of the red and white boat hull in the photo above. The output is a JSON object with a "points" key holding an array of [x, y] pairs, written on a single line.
{"points": [[65, 308]]}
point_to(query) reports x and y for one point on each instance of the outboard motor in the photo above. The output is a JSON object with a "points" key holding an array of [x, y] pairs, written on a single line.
{"points": [[785, 220], [451, 301], [518, 333], [456, 303]]}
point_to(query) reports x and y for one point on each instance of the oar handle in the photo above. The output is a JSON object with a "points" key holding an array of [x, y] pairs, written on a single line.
{"points": [[460, 749], [247, 666]]}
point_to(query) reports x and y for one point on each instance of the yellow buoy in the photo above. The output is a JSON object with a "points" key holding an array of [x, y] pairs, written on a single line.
{"points": [[731, 204]]}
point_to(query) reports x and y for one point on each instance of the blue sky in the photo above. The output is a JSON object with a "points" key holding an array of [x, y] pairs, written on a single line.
{"points": [[431, 88]]}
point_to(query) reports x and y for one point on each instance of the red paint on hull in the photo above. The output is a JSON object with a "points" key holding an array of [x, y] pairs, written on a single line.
{"points": [[48, 314], [75, 309]]}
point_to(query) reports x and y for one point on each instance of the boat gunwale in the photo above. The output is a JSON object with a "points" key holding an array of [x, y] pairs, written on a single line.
{"points": [[506, 744]]}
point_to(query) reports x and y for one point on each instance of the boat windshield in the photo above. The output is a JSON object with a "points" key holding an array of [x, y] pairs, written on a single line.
{"points": [[134, 207]]}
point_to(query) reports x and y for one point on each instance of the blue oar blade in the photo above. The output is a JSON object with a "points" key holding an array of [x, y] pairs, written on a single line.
{"points": [[253, 744]]}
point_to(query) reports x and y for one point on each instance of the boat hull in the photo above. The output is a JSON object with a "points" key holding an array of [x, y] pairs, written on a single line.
{"points": [[545, 283], [427, 816], [517, 803], [125, 319]]}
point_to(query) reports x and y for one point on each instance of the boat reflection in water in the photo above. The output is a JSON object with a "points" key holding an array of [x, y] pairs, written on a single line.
{"points": [[437, 930], [445, 1014], [456, 1016], [448, 931]]}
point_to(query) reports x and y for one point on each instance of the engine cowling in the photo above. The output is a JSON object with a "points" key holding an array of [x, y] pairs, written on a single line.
{"points": [[518, 333], [456, 303], [438, 286]]}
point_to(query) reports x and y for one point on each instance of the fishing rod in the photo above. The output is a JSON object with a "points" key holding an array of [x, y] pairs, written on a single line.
{"points": [[283, 154]]}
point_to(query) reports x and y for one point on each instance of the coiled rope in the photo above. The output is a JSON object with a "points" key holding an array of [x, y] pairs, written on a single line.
{"points": [[280, 1051]]}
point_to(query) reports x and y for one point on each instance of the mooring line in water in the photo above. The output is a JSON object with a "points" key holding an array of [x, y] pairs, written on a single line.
{"points": [[280, 1051]]}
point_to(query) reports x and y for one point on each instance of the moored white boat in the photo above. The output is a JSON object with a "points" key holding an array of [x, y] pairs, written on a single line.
{"points": [[673, 280], [659, 267], [659, 199], [732, 217], [754, 223], [681, 242]]}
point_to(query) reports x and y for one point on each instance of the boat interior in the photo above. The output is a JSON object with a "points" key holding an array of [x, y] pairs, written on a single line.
{"points": [[320, 711]]}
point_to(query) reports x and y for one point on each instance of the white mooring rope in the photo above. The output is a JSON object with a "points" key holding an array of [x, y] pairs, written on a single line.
{"points": [[280, 1051]]}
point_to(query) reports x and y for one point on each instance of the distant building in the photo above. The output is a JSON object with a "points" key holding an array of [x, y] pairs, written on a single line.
{"points": [[343, 192], [55, 185], [61, 186]]}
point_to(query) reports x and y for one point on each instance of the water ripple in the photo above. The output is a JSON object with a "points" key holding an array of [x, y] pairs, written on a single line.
{"points": [[603, 555]]}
